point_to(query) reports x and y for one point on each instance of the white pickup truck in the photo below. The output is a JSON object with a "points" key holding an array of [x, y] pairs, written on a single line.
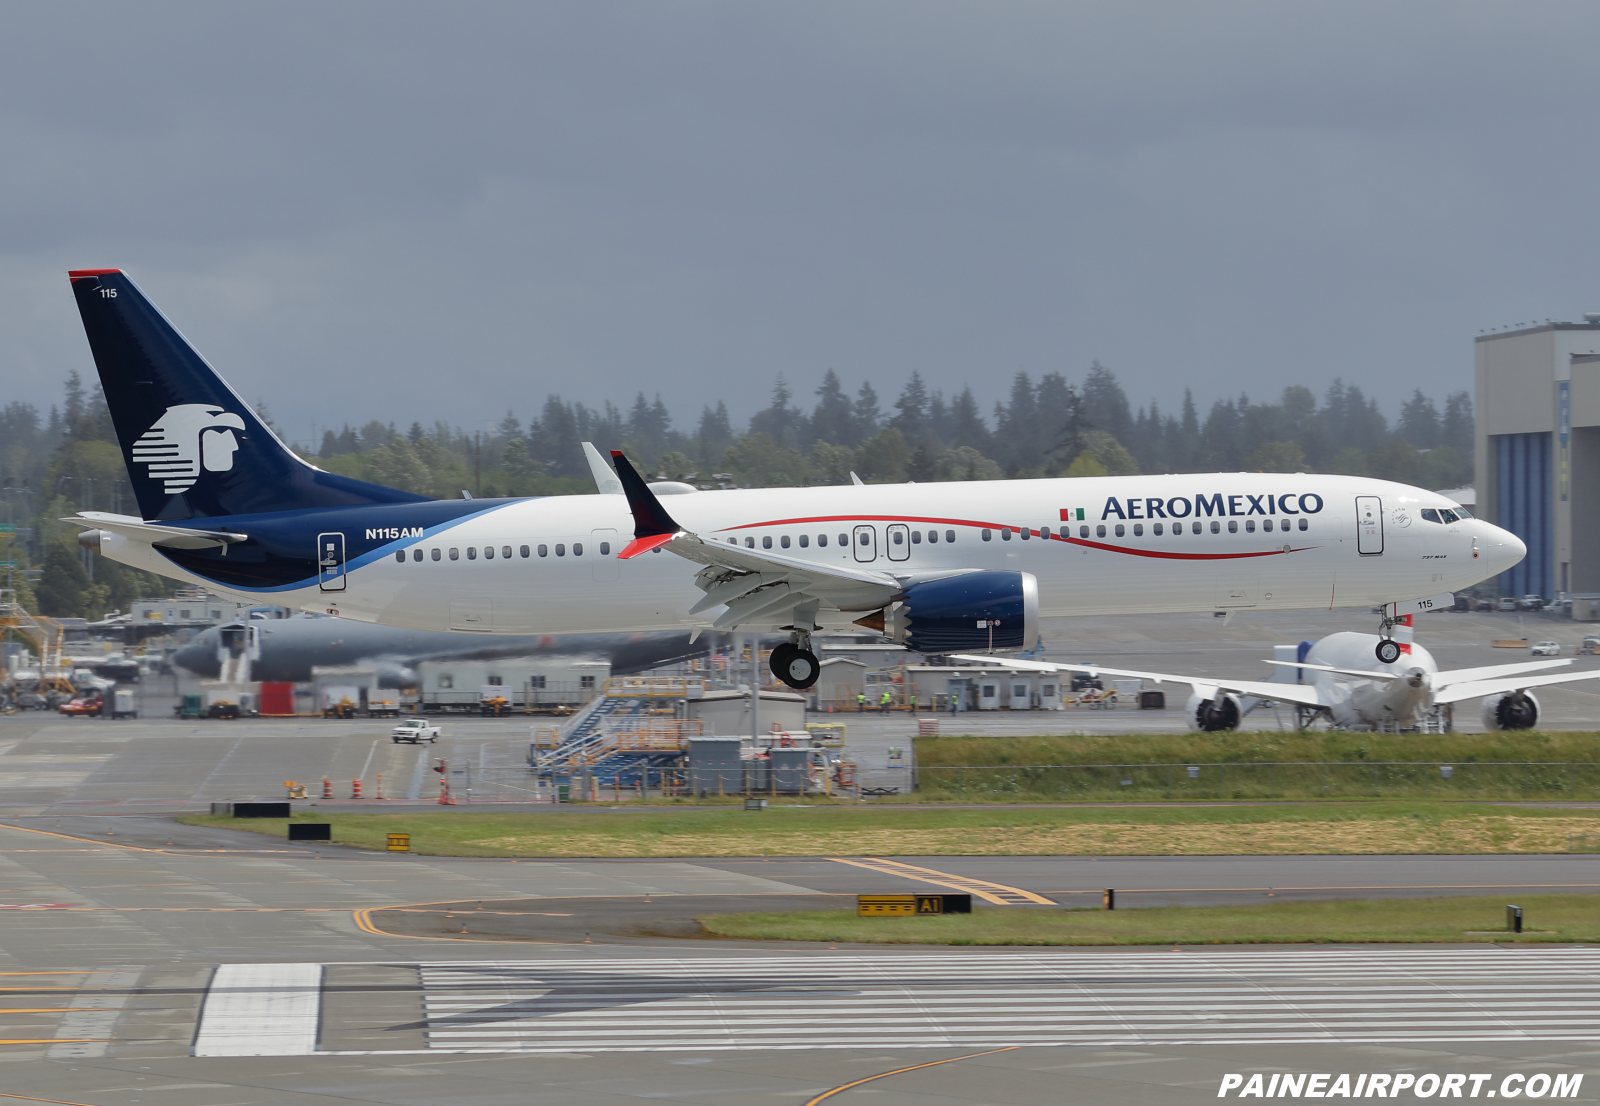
{"points": [[416, 731]]}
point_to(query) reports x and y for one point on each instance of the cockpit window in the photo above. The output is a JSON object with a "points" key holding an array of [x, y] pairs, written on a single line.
{"points": [[1429, 514]]}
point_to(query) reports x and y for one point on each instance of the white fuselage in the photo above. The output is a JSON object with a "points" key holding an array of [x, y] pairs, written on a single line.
{"points": [[1360, 703], [1097, 546]]}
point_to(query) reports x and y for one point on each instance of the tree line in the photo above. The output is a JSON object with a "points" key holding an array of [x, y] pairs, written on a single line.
{"points": [[68, 460], [1042, 427]]}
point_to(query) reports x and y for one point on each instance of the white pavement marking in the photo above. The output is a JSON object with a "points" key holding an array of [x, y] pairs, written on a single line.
{"points": [[87, 1030], [260, 1010], [1047, 998]]}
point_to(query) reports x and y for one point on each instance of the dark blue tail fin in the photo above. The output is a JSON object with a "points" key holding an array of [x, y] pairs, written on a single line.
{"points": [[193, 448]]}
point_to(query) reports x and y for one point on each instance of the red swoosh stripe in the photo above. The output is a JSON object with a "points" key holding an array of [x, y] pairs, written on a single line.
{"points": [[1156, 553]]}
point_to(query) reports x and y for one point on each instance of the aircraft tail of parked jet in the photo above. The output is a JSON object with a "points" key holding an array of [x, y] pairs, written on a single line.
{"points": [[177, 420]]}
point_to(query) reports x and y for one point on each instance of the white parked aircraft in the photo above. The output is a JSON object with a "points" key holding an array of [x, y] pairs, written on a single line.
{"points": [[1342, 684], [941, 567]]}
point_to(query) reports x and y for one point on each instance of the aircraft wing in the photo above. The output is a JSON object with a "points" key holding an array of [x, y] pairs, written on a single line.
{"points": [[1204, 686], [1492, 671], [754, 586], [1457, 692]]}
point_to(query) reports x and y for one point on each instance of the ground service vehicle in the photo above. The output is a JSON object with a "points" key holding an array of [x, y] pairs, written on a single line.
{"points": [[85, 706], [416, 731], [940, 567], [1590, 644], [1546, 649]]}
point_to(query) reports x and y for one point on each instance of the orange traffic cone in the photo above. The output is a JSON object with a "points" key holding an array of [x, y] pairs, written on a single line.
{"points": [[380, 786], [327, 788], [444, 794], [355, 789]]}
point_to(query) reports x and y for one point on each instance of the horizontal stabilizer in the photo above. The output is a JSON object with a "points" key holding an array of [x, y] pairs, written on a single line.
{"points": [[167, 537], [1493, 671]]}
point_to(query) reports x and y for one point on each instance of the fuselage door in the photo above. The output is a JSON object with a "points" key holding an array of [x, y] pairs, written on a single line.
{"points": [[604, 546], [330, 561], [897, 541], [1369, 525], [865, 543]]}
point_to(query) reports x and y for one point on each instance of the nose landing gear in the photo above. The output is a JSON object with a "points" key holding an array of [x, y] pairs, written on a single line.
{"points": [[1387, 649]]}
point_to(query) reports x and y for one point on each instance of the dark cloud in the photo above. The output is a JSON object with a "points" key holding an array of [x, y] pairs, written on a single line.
{"points": [[397, 211]]}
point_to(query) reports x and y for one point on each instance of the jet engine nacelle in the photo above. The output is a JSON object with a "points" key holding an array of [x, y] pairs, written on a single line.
{"points": [[973, 612], [1211, 715], [1515, 710]]}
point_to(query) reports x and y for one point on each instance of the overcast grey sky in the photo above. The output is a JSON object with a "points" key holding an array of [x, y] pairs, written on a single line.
{"points": [[397, 211]]}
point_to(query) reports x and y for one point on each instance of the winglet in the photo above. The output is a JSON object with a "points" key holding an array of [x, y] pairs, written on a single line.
{"points": [[652, 526], [604, 479]]}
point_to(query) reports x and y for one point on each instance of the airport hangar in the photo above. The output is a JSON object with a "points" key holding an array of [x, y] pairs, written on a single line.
{"points": [[1537, 455]]}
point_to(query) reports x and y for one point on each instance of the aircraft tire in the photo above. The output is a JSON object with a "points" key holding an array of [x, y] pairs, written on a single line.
{"points": [[1388, 651], [795, 666]]}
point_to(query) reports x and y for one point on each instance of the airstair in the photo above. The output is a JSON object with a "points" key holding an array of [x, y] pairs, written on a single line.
{"points": [[627, 735]]}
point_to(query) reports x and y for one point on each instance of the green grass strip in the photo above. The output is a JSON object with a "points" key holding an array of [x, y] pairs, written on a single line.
{"points": [[1546, 918], [1276, 829]]}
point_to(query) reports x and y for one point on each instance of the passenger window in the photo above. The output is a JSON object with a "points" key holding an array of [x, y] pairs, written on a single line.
{"points": [[1195, 528], [1233, 526], [1044, 532], [605, 549], [805, 540], [436, 554], [577, 549], [455, 554], [933, 537], [544, 551], [1026, 533], [1119, 530], [1304, 525], [1266, 524], [899, 538], [1083, 531], [822, 539], [733, 541], [561, 550], [524, 551], [863, 538], [766, 542], [1216, 527], [488, 552], [844, 539], [949, 535], [1155, 528], [784, 541], [1100, 531], [1249, 526], [916, 537], [400, 556], [416, 554], [749, 543], [505, 552], [1005, 535], [1138, 529], [472, 552]]}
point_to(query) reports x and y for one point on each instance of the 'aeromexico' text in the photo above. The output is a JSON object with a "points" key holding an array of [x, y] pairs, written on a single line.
{"points": [[1180, 506]]}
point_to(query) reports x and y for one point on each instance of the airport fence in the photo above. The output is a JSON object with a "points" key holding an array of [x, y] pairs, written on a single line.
{"points": [[1259, 780]]}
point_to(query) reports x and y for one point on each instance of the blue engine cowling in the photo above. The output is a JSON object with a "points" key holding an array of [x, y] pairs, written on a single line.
{"points": [[973, 612]]}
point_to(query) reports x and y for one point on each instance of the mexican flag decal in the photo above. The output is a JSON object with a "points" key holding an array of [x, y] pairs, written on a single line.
{"points": [[1072, 514]]}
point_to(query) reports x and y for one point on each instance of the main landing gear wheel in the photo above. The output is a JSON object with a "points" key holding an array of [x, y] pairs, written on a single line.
{"points": [[1388, 651], [795, 666]]}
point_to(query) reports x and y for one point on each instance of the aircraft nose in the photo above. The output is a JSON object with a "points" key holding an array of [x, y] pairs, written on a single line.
{"points": [[1501, 548]]}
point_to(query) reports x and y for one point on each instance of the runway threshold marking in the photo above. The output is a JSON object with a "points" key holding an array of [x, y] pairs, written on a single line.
{"points": [[997, 893], [825, 1095]]}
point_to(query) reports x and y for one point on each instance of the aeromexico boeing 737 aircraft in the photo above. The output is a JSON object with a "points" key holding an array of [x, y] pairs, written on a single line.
{"points": [[944, 568]]}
